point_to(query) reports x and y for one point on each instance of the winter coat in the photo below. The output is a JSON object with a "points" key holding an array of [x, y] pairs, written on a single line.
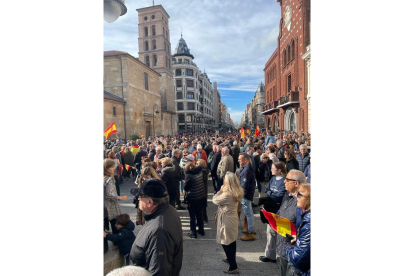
{"points": [[308, 173], [208, 149], [176, 163], [214, 163], [236, 152], [227, 218], [256, 159], [299, 255], [125, 238], [129, 158], [203, 155], [111, 198], [288, 210], [292, 164], [270, 139], [194, 185], [169, 176], [303, 161], [264, 171], [159, 245], [276, 190], [137, 159], [281, 154], [226, 165], [247, 181]]}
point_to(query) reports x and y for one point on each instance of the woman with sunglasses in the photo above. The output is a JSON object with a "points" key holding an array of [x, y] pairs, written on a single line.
{"points": [[298, 256]]}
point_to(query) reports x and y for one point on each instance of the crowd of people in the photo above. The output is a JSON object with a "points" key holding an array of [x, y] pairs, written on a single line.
{"points": [[168, 169]]}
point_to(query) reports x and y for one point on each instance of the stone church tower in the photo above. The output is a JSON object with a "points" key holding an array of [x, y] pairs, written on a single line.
{"points": [[155, 51]]}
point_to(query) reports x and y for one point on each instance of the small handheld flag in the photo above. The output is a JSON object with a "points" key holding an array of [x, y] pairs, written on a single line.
{"points": [[110, 130], [280, 224], [258, 130], [142, 135], [248, 131], [242, 133], [127, 167]]}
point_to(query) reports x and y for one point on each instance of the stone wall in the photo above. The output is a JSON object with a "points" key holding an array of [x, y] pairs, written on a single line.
{"points": [[109, 118]]}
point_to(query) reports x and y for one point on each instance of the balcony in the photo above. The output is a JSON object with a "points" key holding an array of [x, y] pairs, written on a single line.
{"points": [[270, 108], [291, 98]]}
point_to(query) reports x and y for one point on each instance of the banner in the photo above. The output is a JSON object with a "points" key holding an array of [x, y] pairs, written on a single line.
{"points": [[110, 130]]}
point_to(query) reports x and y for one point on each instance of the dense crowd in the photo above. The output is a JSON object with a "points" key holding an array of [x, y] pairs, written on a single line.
{"points": [[169, 168]]}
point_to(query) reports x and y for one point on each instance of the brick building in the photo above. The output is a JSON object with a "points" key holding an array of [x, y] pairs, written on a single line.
{"points": [[286, 78]]}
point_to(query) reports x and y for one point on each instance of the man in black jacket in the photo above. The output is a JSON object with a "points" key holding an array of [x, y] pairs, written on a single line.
{"points": [[281, 151], [159, 245], [176, 162], [138, 158], [214, 165]]}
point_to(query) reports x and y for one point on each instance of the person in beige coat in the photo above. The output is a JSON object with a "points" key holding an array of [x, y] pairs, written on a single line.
{"points": [[226, 165], [227, 220]]}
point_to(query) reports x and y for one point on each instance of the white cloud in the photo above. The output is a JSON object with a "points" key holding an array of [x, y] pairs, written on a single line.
{"points": [[231, 39], [235, 115]]}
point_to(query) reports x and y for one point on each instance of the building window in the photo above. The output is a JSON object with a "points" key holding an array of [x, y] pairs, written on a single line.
{"points": [[284, 57], [114, 110], [154, 44], [146, 46], [153, 30], [179, 95], [190, 106], [147, 62], [293, 49], [189, 72], [145, 18], [180, 61], [190, 95], [146, 81], [153, 16], [146, 31], [155, 60], [186, 61], [178, 72], [181, 118], [190, 83], [289, 83], [288, 53], [179, 83], [180, 106]]}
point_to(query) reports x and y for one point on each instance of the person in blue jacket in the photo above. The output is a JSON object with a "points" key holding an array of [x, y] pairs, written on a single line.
{"points": [[270, 138], [298, 256], [125, 237]]}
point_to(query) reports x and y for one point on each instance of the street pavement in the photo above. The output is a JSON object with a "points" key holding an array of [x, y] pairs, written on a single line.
{"points": [[203, 256]]}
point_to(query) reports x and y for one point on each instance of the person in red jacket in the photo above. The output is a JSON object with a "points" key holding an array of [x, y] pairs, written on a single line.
{"points": [[200, 153]]}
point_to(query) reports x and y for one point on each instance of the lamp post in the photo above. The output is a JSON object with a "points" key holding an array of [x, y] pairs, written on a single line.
{"points": [[155, 107]]}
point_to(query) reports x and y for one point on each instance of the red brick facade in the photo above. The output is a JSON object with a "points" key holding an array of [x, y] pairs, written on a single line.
{"points": [[286, 106]]}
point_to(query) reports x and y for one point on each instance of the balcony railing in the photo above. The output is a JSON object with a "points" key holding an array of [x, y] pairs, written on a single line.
{"points": [[291, 98]]}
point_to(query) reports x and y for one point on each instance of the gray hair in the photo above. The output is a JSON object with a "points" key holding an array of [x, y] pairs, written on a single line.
{"points": [[279, 141], [234, 143], [215, 147], [174, 152], [129, 270], [158, 149], [115, 149], [298, 175], [225, 149], [303, 146]]}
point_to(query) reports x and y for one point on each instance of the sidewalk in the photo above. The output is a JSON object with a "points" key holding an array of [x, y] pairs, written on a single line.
{"points": [[203, 256]]}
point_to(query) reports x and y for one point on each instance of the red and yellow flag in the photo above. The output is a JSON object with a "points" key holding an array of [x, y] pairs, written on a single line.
{"points": [[242, 133], [248, 131], [280, 224], [110, 130], [258, 130], [142, 135], [127, 167]]}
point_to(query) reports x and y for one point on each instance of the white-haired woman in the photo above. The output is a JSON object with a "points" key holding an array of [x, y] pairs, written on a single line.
{"points": [[228, 199]]}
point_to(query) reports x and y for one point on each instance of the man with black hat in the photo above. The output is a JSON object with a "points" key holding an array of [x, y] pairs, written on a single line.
{"points": [[159, 245]]}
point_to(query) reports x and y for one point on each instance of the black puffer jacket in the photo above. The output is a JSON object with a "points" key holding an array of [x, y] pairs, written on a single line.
{"points": [[169, 176], [159, 245], [281, 154], [292, 164], [264, 174], [194, 185], [288, 210], [125, 238], [303, 161], [236, 151]]}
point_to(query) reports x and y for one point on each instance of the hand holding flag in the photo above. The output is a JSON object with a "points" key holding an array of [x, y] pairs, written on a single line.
{"points": [[281, 225]]}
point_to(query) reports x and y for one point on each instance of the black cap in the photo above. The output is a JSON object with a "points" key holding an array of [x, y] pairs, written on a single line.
{"points": [[153, 187]]}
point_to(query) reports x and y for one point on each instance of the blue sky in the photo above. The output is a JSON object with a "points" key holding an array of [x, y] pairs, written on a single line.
{"points": [[231, 39]]}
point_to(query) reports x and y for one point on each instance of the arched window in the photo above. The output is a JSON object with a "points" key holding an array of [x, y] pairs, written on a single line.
{"points": [[288, 53], [147, 62], [284, 57], [146, 31], [153, 29], [146, 46], [154, 44], [293, 48], [155, 60]]}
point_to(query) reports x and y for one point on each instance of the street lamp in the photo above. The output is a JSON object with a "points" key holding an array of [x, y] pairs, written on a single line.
{"points": [[155, 107], [114, 9]]}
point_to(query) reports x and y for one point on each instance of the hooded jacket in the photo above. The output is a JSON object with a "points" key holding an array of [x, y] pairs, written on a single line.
{"points": [[303, 161], [299, 255], [169, 176], [125, 238], [159, 245], [194, 185], [247, 181]]}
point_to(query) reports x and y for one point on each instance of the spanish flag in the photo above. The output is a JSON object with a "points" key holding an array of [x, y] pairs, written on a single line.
{"points": [[258, 130], [110, 130], [242, 133], [127, 167], [280, 224], [248, 131], [142, 135]]}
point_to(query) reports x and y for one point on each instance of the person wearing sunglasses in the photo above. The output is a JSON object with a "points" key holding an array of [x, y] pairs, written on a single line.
{"points": [[298, 255], [288, 210]]}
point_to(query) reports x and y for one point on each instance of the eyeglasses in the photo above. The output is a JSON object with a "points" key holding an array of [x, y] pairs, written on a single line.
{"points": [[299, 195], [289, 180], [265, 157]]}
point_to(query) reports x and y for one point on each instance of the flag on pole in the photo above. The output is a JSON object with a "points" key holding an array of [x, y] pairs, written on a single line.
{"points": [[258, 130], [110, 130], [142, 135], [280, 224], [242, 133], [248, 131], [127, 167]]}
